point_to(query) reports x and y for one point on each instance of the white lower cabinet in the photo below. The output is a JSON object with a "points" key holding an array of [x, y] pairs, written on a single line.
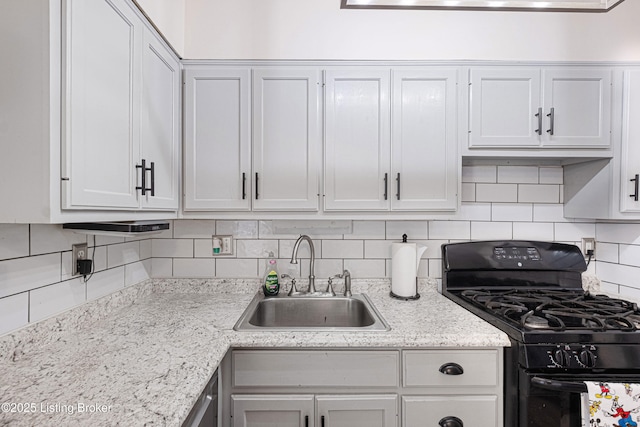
{"points": [[308, 410], [363, 388]]}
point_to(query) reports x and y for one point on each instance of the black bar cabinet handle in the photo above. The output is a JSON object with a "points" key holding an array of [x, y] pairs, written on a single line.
{"points": [[306, 421], [256, 185], [539, 116], [153, 179], [551, 116], [564, 386], [244, 185], [398, 186], [143, 177], [386, 186], [635, 190], [450, 422], [322, 421]]}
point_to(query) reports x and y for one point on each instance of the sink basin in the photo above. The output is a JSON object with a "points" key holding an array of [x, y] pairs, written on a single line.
{"points": [[311, 313]]}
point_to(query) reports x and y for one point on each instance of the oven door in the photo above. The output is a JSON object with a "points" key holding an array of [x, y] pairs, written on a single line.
{"points": [[554, 400]]}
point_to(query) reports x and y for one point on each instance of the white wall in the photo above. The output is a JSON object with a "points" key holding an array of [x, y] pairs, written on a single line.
{"points": [[169, 18], [319, 29]]}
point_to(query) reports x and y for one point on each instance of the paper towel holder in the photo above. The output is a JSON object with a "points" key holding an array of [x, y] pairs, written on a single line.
{"points": [[409, 298]]}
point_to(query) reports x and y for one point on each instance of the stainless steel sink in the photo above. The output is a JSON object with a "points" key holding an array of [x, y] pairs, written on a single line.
{"points": [[355, 313]]}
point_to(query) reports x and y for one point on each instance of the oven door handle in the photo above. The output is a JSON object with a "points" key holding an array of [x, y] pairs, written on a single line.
{"points": [[564, 386]]}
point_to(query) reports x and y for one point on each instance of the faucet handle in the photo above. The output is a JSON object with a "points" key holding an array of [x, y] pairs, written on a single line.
{"points": [[330, 286], [293, 289]]}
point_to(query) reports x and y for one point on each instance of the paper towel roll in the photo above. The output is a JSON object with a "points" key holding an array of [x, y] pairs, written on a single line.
{"points": [[403, 269]]}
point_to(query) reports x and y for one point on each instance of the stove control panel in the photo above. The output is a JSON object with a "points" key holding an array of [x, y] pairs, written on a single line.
{"points": [[516, 253], [562, 356]]}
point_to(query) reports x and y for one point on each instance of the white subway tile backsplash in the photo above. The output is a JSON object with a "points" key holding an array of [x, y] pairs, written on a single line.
{"points": [[574, 231], [367, 230], [491, 230], [468, 192], [378, 249], [533, 231], [619, 233], [49, 300], [105, 282], [474, 212], [48, 238], [447, 230], [620, 274], [238, 229], [414, 230], [172, 248], [365, 268], [548, 213], [137, 272], [538, 193], [518, 174], [22, 274], [162, 267], [522, 212], [480, 173], [240, 268], [629, 255], [607, 252], [256, 248], [145, 249], [501, 193], [14, 312], [325, 268], [123, 253], [551, 175], [203, 248], [194, 229], [194, 267], [342, 249], [286, 248], [14, 241]]}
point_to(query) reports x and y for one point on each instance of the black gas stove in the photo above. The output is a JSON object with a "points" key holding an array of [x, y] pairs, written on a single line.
{"points": [[560, 335]]}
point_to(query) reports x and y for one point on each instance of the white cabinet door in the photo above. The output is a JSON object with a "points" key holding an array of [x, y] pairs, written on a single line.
{"points": [[101, 144], [357, 140], [577, 107], [504, 104], [630, 150], [423, 142], [160, 124], [357, 410], [217, 139], [286, 139], [265, 410]]}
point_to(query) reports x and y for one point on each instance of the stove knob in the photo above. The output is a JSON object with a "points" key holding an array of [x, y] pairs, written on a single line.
{"points": [[562, 358], [587, 359]]}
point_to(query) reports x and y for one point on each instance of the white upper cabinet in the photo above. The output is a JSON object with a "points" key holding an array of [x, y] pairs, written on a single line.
{"points": [[528, 107], [357, 139], [286, 138], [217, 139], [161, 124], [251, 143], [424, 140], [630, 150], [395, 152], [122, 133], [103, 104]]}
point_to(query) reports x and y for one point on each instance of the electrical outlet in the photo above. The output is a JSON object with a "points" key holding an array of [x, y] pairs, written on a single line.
{"points": [[78, 251], [222, 245], [589, 246]]}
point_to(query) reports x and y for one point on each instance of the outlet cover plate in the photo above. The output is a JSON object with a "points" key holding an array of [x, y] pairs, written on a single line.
{"points": [[78, 251]]}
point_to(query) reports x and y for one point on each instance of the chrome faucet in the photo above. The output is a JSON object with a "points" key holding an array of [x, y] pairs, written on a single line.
{"points": [[294, 260]]}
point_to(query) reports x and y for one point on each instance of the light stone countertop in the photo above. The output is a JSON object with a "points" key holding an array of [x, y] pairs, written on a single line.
{"points": [[144, 355]]}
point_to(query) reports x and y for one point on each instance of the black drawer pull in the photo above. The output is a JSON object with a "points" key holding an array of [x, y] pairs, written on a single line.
{"points": [[450, 422], [451, 369], [306, 421], [322, 421]]}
